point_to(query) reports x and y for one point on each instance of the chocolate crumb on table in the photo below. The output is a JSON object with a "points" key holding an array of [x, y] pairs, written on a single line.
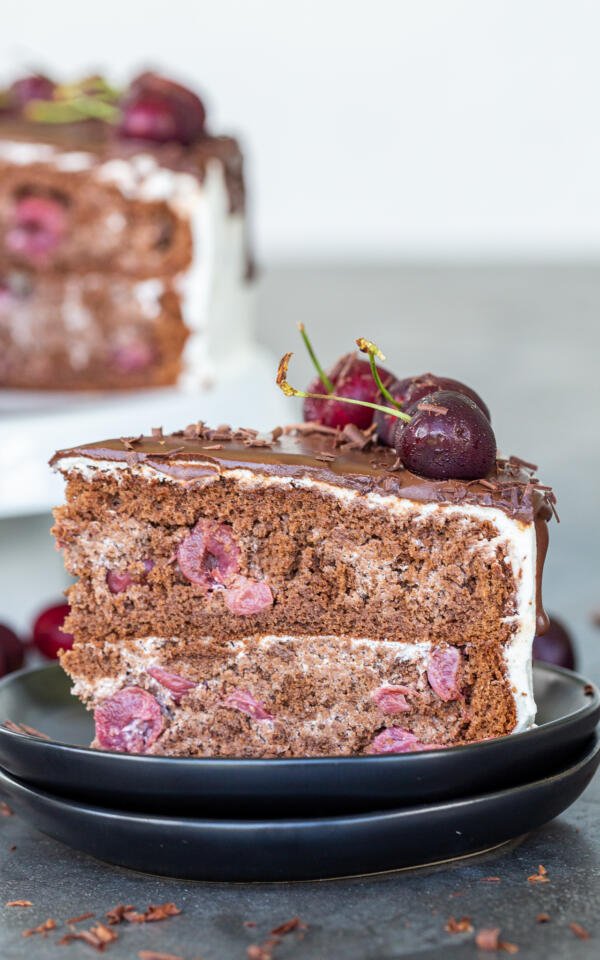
{"points": [[155, 955], [43, 928], [5, 810], [464, 925], [97, 936], [540, 877], [580, 932]]}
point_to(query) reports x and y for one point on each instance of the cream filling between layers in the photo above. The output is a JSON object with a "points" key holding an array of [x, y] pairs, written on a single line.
{"points": [[138, 661], [515, 536]]}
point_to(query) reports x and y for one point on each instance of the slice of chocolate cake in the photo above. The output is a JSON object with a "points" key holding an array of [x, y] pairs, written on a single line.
{"points": [[123, 244], [299, 594]]}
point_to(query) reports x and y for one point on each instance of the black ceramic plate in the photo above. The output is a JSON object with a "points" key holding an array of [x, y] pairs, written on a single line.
{"points": [[569, 709], [246, 850]]}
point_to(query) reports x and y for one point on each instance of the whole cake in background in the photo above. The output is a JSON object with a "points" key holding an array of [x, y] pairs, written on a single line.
{"points": [[369, 584], [122, 236]]}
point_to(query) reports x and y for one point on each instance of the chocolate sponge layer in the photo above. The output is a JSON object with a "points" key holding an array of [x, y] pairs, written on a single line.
{"points": [[265, 696], [333, 566]]}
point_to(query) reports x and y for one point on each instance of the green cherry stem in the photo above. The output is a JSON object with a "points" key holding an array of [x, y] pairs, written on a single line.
{"points": [[290, 391], [322, 375], [372, 350]]}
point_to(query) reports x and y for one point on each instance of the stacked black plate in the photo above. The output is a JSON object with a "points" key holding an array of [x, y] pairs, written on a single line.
{"points": [[228, 819]]}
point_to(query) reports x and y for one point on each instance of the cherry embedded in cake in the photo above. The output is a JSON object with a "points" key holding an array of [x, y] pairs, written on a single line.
{"points": [[301, 593]]}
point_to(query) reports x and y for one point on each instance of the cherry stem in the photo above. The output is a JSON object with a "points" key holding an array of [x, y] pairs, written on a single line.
{"points": [[366, 346], [322, 375], [290, 391]]}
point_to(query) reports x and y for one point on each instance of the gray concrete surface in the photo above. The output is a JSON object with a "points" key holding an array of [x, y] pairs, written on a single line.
{"points": [[527, 337]]}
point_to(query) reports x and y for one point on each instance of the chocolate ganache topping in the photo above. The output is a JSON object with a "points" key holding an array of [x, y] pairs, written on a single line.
{"points": [[346, 458]]}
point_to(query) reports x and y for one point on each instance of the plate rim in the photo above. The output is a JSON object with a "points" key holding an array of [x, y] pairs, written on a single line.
{"points": [[585, 759], [546, 730]]}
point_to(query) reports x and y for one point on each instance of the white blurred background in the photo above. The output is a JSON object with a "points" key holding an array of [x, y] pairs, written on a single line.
{"points": [[374, 128]]}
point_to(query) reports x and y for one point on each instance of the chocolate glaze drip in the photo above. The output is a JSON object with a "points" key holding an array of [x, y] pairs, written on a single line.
{"points": [[542, 621], [326, 456]]}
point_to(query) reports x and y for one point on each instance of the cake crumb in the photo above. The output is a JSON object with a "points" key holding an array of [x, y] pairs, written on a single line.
{"points": [[540, 877]]}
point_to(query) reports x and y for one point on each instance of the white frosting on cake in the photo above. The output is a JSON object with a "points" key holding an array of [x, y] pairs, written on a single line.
{"points": [[517, 538]]}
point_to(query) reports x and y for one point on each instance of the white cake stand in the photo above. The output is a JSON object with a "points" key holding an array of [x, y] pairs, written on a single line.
{"points": [[34, 425]]}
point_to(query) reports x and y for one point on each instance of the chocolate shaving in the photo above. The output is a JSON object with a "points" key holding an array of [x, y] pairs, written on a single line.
{"points": [[463, 925], [97, 937], [355, 438], [119, 913], [19, 903], [540, 877], [83, 916], [264, 950], [543, 918], [294, 924], [579, 931], [195, 431], [43, 928], [324, 457], [154, 913], [276, 433], [153, 955], [309, 428], [213, 446], [256, 442], [5, 810], [588, 689], [489, 939], [157, 431], [518, 462]]}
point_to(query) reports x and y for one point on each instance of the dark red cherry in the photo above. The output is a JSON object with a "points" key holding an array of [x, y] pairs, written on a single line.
{"points": [[408, 391], [555, 646], [12, 651], [34, 87], [158, 109], [448, 438], [38, 227], [47, 631], [132, 357], [351, 377]]}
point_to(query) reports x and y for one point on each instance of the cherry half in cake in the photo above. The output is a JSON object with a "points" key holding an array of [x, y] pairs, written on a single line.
{"points": [[297, 594]]}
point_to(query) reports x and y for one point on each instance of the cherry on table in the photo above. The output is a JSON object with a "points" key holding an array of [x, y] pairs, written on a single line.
{"points": [[555, 646], [47, 631], [12, 650], [449, 437], [351, 377], [410, 390]]}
